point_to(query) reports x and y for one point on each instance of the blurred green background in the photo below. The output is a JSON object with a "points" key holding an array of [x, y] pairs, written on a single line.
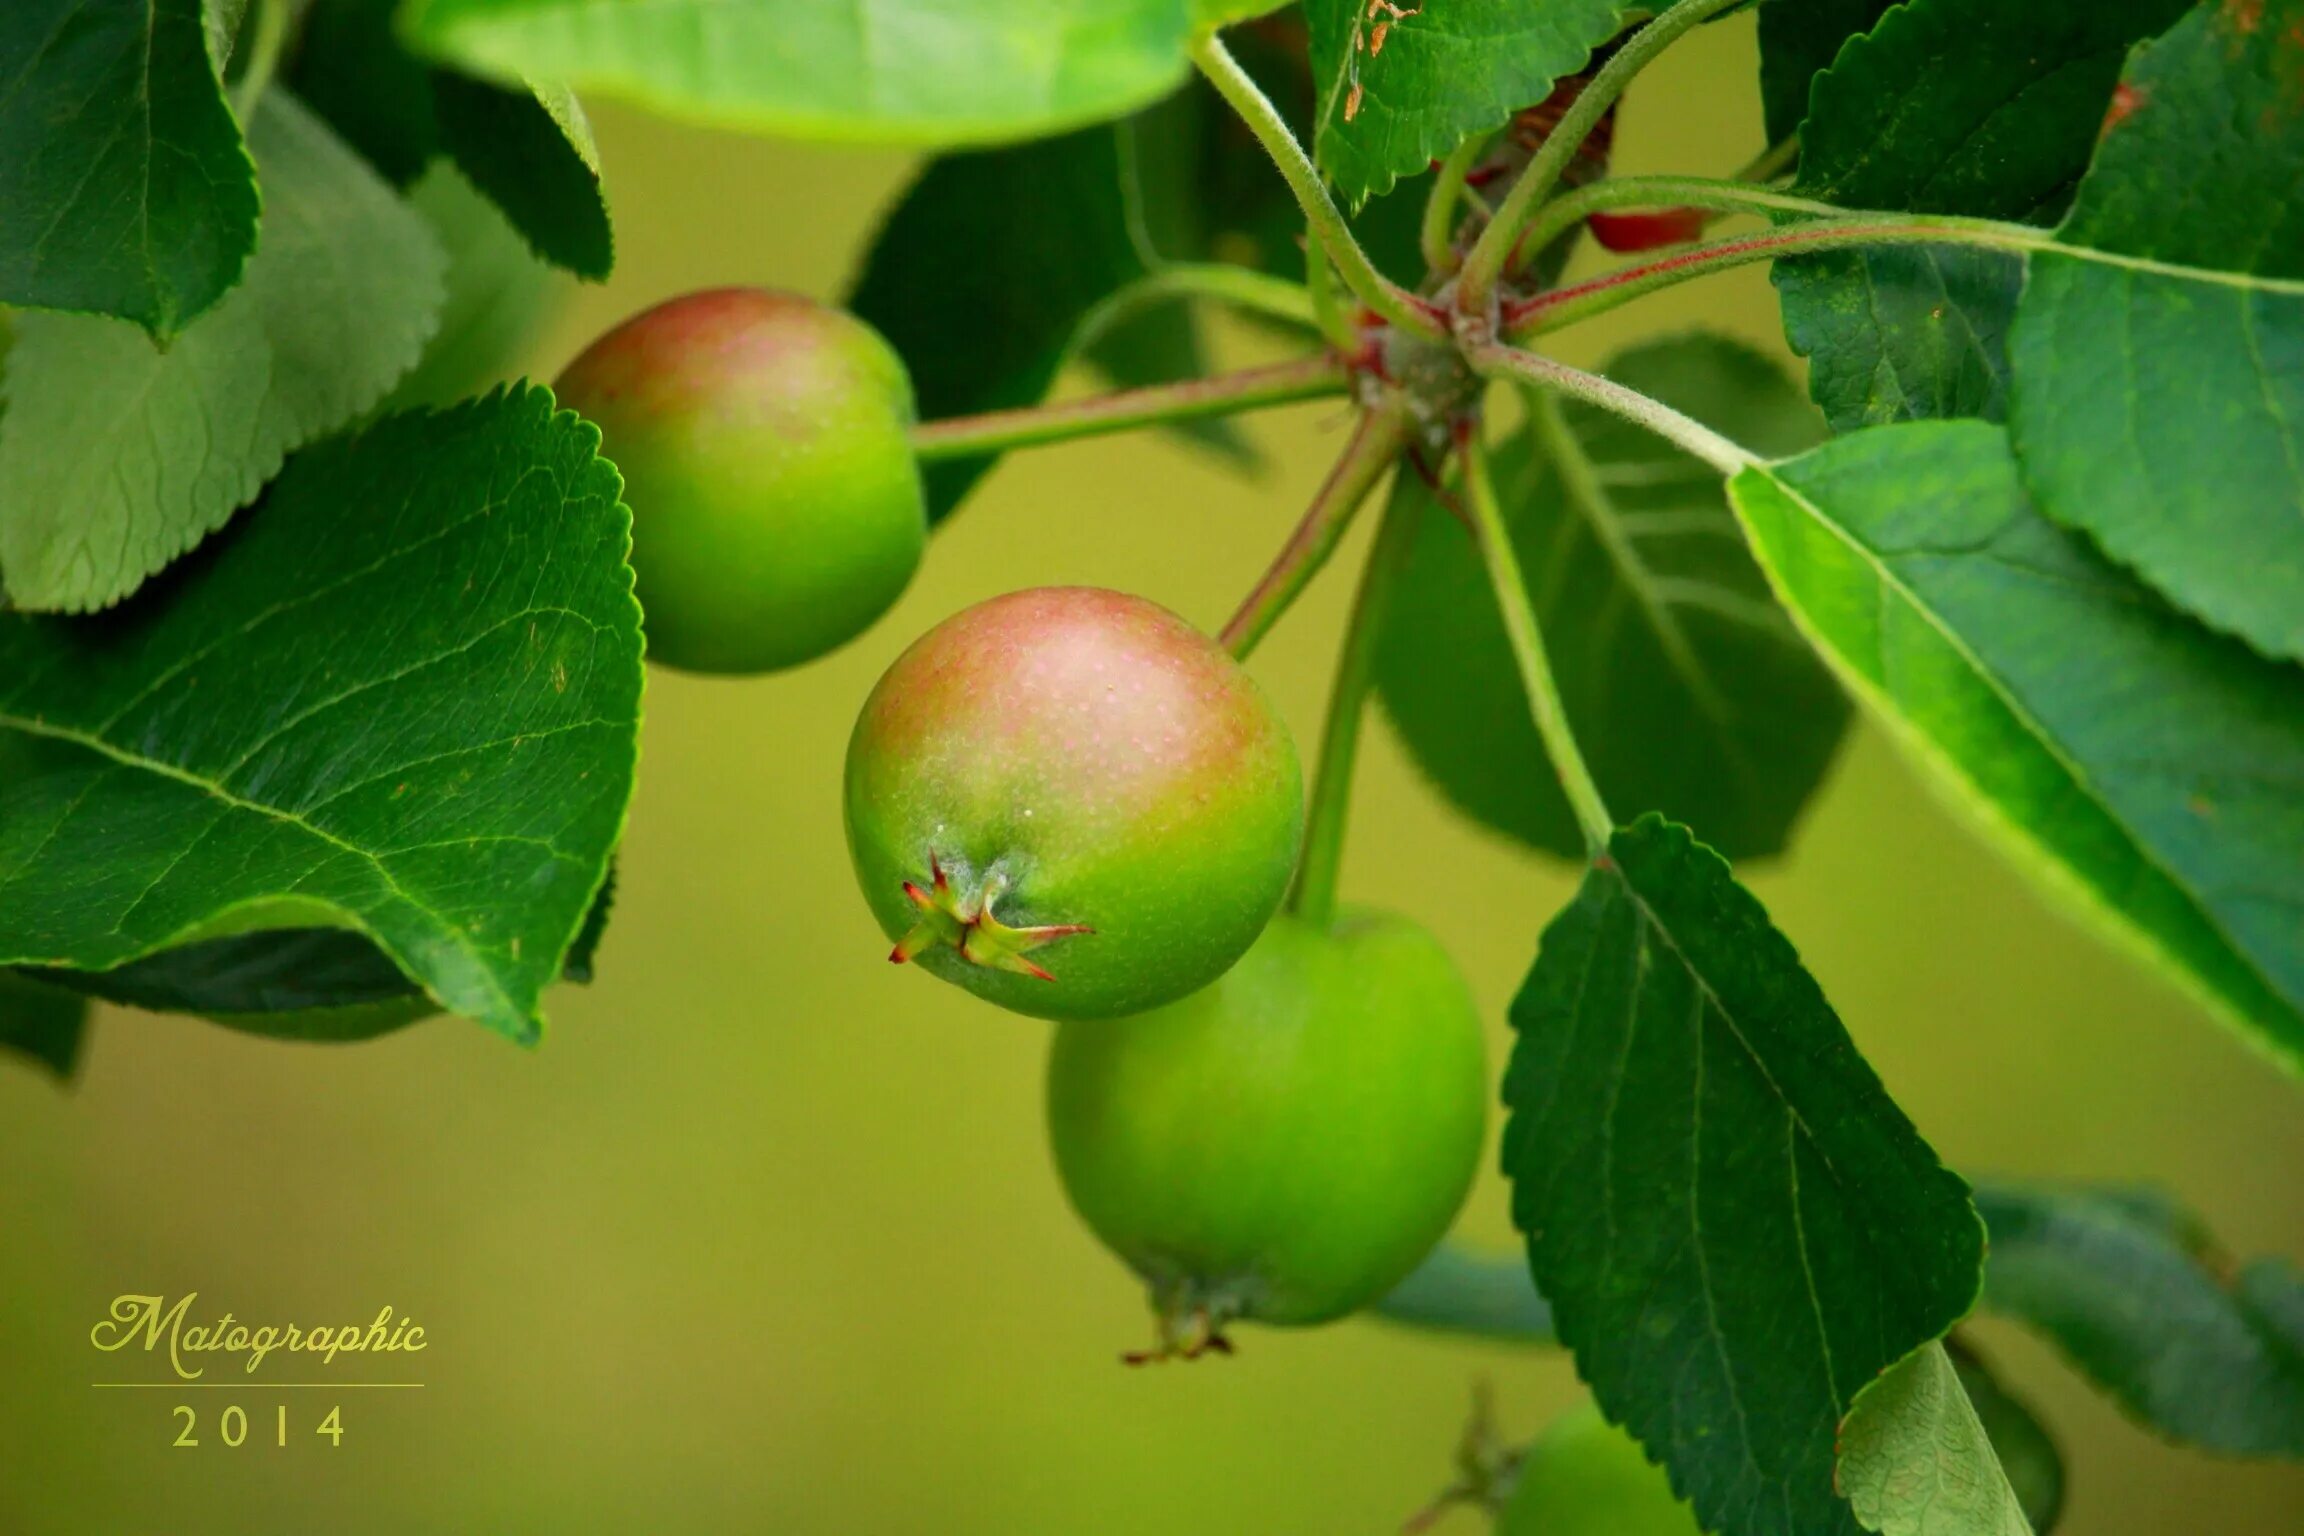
{"points": [[765, 1236]]}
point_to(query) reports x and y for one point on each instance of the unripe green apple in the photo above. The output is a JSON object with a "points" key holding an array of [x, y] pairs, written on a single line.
{"points": [[1286, 1145], [1586, 1477], [765, 445], [1073, 803]]}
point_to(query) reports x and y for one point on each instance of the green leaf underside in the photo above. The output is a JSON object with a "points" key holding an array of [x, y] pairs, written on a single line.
{"points": [[1689, 690], [885, 71], [1970, 107], [117, 457], [1798, 41], [531, 152], [1915, 1459], [2199, 1352], [499, 296], [1459, 1290], [1736, 1227], [290, 983], [402, 697], [43, 1025], [2162, 413], [220, 26], [1046, 233], [1453, 69], [2028, 1454], [124, 188], [2130, 758]]}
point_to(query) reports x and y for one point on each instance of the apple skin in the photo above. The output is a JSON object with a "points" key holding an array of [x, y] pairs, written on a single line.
{"points": [[765, 443], [1586, 1477], [1087, 760], [1287, 1144]]}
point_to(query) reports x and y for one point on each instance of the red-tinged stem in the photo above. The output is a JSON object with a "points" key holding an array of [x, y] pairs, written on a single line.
{"points": [[960, 437], [1377, 439], [1565, 306]]}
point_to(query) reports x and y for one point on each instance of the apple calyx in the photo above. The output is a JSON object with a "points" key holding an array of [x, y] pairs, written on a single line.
{"points": [[966, 922], [1187, 1329]]}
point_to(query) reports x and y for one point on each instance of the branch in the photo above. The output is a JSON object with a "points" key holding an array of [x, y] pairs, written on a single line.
{"points": [[1328, 224], [962, 437], [1377, 439]]}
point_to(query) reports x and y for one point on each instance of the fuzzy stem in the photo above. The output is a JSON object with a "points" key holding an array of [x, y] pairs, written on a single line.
{"points": [[1437, 235], [1685, 432], [1377, 438], [269, 34], [1489, 256], [1570, 209], [1314, 898], [1535, 664], [1565, 306], [1327, 221], [962, 437], [1256, 293]]}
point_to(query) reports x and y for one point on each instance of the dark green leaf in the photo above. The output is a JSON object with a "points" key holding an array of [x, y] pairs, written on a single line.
{"points": [[531, 151], [1736, 1227], [1486, 1296], [983, 272], [1915, 1459], [286, 984], [402, 697], [2203, 1355], [2126, 756], [350, 68], [883, 71], [1689, 689], [1798, 41], [499, 296], [2161, 408], [124, 189], [2027, 1452], [1972, 107], [42, 1024], [1402, 86], [117, 457]]}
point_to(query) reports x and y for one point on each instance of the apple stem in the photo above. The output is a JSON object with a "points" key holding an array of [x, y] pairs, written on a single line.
{"points": [[1377, 439], [965, 437], [1314, 897]]}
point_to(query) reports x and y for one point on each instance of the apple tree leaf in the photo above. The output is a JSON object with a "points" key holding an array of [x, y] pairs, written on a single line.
{"points": [[940, 72], [2202, 1351], [1915, 1459], [2028, 1454], [1402, 86], [499, 296], [402, 697], [1799, 39], [1689, 690], [1735, 1225], [116, 456], [42, 1024], [1968, 107], [2144, 768], [124, 187], [2160, 406], [531, 151]]}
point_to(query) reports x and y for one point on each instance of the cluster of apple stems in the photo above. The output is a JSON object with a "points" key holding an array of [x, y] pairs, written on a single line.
{"points": [[1464, 331]]}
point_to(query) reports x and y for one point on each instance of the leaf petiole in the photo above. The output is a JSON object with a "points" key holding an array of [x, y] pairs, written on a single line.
{"points": [[1256, 293], [1683, 431], [1570, 209], [1377, 440], [1327, 221], [961, 437], [1528, 652], [1437, 235]]}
